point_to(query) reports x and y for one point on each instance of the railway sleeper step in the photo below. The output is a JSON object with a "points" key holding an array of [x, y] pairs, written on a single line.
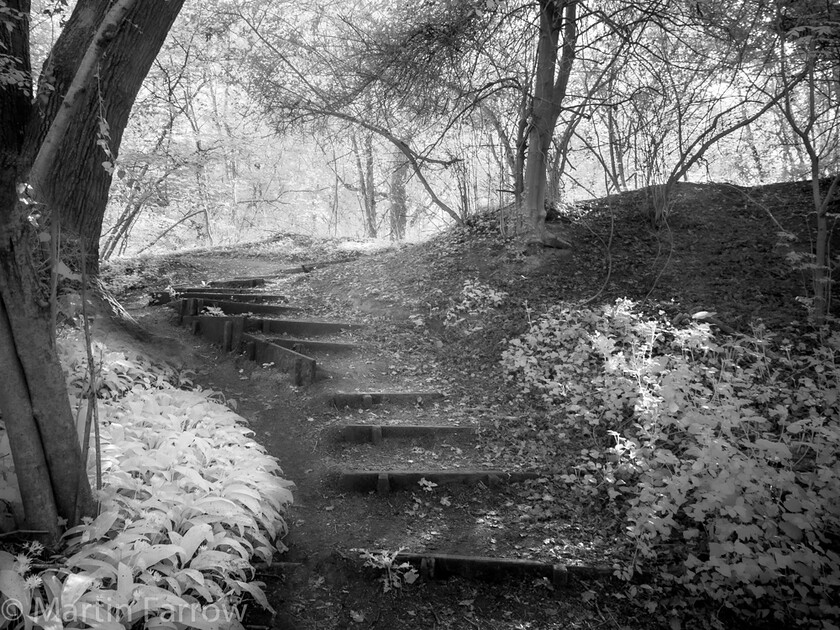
{"points": [[239, 282], [375, 433], [204, 288], [229, 333], [166, 297], [194, 305], [307, 346], [302, 368], [384, 481], [269, 326], [442, 566], [366, 400]]}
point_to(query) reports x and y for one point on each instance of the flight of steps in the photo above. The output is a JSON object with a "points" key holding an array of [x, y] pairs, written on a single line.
{"points": [[395, 426]]}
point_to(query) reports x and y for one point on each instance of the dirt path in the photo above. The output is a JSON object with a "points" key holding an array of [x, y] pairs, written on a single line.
{"points": [[720, 253], [321, 581]]}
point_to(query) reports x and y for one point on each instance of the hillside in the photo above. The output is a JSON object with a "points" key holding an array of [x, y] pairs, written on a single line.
{"points": [[440, 315]]}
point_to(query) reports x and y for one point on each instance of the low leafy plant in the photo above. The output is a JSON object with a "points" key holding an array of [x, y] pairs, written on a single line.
{"points": [[722, 453], [396, 574], [115, 374], [188, 502]]}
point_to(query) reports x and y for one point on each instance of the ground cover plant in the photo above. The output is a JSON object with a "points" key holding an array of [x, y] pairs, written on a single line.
{"points": [[188, 503], [720, 451]]}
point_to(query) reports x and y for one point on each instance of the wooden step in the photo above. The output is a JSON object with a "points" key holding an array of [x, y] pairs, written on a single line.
{"points": [[239, 282], [165, 297], [303, 327], [256, 298], [301, 367], [307, 346], [229, 333], [237, 308], [384, 481], [442, 565], [365, 400], [189, 314], [376, 433], [209, 289]]}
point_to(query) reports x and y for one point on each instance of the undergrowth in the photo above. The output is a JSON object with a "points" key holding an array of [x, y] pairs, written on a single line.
{"points": [[188, 503], [720, 453]]}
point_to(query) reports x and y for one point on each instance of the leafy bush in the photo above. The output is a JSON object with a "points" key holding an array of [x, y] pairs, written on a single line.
{"points": [[188, 500], [115, 374], [723, 454]]}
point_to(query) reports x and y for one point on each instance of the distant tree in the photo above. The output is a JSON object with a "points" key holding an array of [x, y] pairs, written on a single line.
{"points": [[509, 66]]}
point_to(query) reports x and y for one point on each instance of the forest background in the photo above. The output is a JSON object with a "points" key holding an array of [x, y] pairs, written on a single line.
{"points": [[355, 119]]}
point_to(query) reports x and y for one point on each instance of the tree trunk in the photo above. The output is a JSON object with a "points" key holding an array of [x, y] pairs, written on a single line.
{"points": [[616, 147], [555, 16], [398, 210], [367, 187], [78, 184], [133, 206], [822, 262], [33, 396], [33, 389]]}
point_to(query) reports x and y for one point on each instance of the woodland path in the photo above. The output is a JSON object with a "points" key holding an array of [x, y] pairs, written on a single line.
{"points": [[321, 581], [720, 253]]}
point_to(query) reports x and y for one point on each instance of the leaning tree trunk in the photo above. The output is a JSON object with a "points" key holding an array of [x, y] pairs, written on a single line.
{"points": [[80, 179], [556, 16], [79, 187]]}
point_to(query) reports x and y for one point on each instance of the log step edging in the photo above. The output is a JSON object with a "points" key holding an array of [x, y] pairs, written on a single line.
{"points": [[238, 282], [190, 309], [241, 308], [441, 566], [210, 289], [224, 331], [384, 481], [312, 345], [375, 433], [304, 327], [301, 367], [365, 400], [229, 333], [232, 295]]}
